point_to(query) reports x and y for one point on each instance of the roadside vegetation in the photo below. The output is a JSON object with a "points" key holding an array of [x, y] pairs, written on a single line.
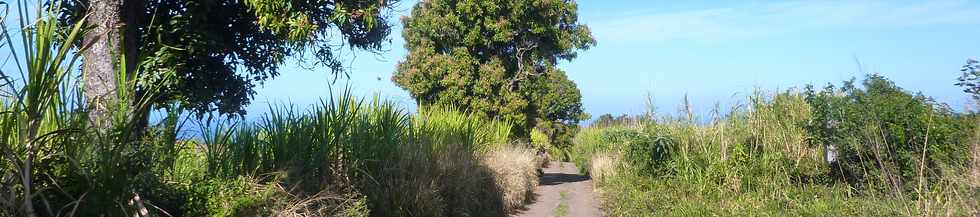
{"points": [[864, 149], [83, 79], [346, 156]]}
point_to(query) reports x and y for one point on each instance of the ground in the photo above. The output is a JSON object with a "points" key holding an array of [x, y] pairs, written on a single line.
{"points": [[563, 192]]}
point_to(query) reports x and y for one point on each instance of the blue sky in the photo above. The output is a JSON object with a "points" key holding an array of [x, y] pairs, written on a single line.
{"points": [[718, 51]]}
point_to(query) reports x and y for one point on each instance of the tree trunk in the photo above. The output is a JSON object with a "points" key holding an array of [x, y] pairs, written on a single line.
{"points": [[133, 17], [101, 59], [109, 38]]}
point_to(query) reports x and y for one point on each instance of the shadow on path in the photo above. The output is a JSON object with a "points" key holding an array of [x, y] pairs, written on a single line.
{"points": [[549, 179], [561, 185]]}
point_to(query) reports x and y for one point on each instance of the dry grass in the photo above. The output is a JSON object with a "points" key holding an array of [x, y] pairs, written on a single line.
{"points": [[410, 186], [602, 166], [974, 176], [269, 197], [515, 171], [975, 167], [451, 182], [325, 203], [542, 160]]}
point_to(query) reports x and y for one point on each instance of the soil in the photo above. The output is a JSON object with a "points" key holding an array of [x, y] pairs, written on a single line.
{"points": [[562, 185]]}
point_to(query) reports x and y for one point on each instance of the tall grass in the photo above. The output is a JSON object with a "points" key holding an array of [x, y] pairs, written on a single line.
{"points": [[38, 116], [439, 162], [442, 127], [56, 161], [345, 156], [758, 159], [331, 142], [439, 171]]}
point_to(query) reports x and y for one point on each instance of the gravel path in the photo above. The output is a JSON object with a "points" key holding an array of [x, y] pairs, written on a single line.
{"points": [[563, 192]]}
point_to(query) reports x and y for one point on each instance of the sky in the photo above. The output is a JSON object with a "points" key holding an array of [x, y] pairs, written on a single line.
{"points": [[714, 52]]}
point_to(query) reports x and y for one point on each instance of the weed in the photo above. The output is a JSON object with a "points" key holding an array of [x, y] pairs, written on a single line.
{"points": [[562, 209]]}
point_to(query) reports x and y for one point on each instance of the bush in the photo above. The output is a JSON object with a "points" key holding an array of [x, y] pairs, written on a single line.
{"points": [[767, 157], [591, 141], [882, 133], [649, 152]]}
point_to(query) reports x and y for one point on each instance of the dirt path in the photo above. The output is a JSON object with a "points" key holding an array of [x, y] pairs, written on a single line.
{"points": [[563, 193]]}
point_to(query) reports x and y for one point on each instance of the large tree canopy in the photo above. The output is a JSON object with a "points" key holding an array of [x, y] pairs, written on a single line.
{"points": [[559, 104], [487, 56], [212, 53], [559, 100]]}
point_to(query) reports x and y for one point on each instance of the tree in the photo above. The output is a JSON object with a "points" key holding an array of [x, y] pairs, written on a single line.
{"points": [[559, 105], [604, 120], [485, 55], [970, 80], [210, 54]]}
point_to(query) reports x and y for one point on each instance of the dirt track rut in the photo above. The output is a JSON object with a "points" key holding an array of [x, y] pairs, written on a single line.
{"points": [[562, 192]]}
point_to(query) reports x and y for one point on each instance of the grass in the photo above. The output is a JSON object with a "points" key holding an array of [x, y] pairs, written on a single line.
{"points": [[346, 156], [384, 161], [515, 170], [757, 160], [42, 134], [562, 209]]}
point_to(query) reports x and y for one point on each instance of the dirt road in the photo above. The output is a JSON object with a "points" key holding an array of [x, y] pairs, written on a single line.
{"points": [[563, 193]]}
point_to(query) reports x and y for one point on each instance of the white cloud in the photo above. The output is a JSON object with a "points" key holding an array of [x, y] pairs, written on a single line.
{"points": [[766, 19]]}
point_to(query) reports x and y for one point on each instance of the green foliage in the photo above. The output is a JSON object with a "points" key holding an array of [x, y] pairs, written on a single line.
{"points": [[341, 158], [53, 160], [539, 140], [43, 137], [542, 142], [648, 153], [220, 50], [558, 134], [290, 163], [437, 171], [373, 149], [560, 109], [559, 102], [764, 158], [562, 209], [440, 128], [593, 141], [334, 142], [344, 157], [607, 120], [970, 80], [881, 130], [635, 195], [36, 119], [489, 57]]}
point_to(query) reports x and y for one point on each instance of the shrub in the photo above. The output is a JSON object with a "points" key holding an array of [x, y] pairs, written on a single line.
{"points": [[589, 142], [649, 152], [767, 157], [882, 131]]}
